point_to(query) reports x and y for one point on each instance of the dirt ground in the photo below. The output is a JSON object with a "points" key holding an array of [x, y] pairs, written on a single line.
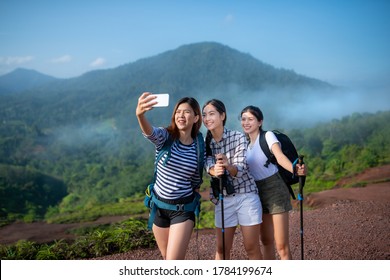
{"points": [[349, 224]]}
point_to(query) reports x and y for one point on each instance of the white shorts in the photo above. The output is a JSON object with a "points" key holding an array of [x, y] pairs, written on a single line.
{"points": [[239, 209]]}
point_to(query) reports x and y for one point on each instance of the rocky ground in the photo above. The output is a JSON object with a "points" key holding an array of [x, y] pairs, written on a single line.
{"points": [[348, 224], [345, 224], [346, 229]]}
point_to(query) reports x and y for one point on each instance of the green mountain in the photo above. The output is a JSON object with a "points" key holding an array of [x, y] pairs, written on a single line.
{"points": [[28, 193], [83, 131], [199, 69], [23, 79]]}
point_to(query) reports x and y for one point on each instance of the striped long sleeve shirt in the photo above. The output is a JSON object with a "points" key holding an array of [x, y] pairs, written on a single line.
{"points": [[179, 176]]}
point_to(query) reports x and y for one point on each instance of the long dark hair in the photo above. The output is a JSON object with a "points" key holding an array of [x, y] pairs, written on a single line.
{"points": [[172, 128], [220, 107]]}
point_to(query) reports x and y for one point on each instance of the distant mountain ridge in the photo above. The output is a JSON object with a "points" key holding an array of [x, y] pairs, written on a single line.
{"points": [[203, 65], [199, 69], [212, 65], [23, 79]]}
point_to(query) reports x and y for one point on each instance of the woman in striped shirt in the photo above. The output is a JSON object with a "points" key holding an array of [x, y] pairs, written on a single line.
{"points": [[226, 156], [178, 178]]}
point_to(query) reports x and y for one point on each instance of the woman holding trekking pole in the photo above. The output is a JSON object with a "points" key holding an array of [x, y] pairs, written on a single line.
{"points": [[177, 179], [239, 202], [274, 194]]}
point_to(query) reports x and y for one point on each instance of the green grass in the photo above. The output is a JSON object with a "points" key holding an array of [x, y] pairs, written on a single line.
{"points": [[118, 238], [133, 207]]}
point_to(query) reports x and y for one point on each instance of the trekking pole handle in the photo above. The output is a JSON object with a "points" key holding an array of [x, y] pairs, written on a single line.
{"points": [[300, 162], [302, 178], [300, 159]]}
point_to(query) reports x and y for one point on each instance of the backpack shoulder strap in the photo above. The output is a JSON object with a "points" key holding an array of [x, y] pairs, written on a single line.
{"points": [[264, 145], [166, 149], [200, 150], [265, 148]]}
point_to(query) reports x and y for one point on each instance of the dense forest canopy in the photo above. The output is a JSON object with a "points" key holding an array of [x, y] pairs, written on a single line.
{"points": [[76, 142]]}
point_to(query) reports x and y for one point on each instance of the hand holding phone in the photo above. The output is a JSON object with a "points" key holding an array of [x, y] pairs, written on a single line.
{"points": [[162, 100]]}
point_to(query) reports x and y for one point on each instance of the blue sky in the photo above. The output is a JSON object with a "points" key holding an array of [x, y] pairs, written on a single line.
{"points": [[342, 42]]}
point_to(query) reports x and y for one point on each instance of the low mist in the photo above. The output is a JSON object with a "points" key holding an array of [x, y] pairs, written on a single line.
{"points": [[291, 108], [283, 109]]}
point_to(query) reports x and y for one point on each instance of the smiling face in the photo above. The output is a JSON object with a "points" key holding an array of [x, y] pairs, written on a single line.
{"points": [[212, 119], [185, 117], [250, 124]]}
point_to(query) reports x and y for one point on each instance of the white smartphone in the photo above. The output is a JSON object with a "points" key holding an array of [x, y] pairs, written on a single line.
{"points": [[162, 100]]}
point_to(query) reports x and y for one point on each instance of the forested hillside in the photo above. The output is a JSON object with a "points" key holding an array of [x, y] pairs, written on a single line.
{"points": [[82, 132]]}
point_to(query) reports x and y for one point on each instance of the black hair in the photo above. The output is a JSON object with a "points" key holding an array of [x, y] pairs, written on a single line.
{"points": [[254, 111], [220, 107]]}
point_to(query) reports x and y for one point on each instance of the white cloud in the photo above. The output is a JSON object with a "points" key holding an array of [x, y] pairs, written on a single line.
{"points": [[15, 60], [97, 62], [229, 18], [62, 59]]}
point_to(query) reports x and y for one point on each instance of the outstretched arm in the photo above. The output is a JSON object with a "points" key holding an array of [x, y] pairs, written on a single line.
{"points": [[145, 103]]}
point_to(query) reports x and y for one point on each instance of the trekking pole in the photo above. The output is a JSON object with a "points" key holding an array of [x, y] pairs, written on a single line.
{"points": [[302, 180], [222, 215]]}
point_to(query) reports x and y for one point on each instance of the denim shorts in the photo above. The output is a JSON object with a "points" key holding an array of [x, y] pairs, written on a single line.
{"points": [[274, 195]]}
